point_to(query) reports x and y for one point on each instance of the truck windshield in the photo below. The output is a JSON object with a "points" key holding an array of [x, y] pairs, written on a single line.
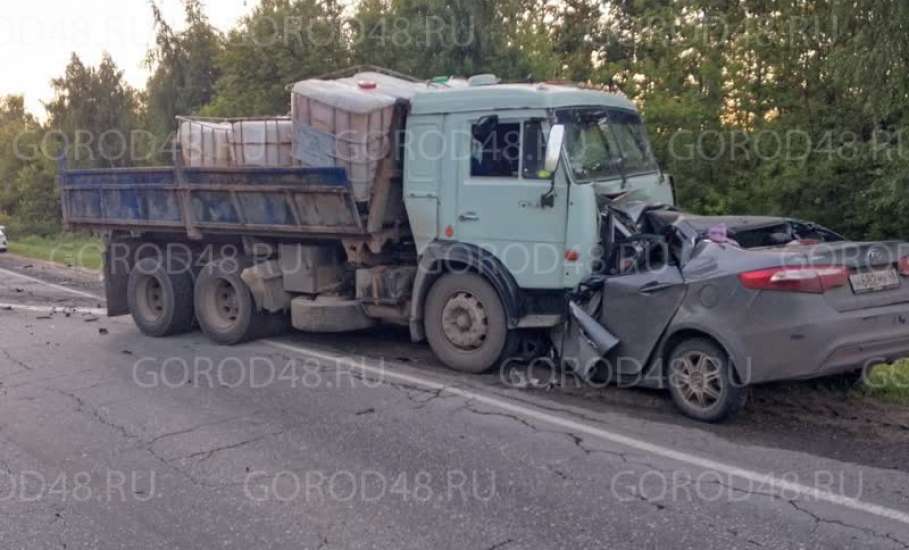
{"points": [[606, 143]]}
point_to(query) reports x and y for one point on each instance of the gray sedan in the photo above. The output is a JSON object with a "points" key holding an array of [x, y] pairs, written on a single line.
{"points": [[706, 306]]}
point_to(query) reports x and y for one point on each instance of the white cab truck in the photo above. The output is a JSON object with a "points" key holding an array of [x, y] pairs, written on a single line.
{"points": [[463, 210]]}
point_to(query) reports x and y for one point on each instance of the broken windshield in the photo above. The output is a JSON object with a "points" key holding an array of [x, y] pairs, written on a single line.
{"points": [[606, 143]]}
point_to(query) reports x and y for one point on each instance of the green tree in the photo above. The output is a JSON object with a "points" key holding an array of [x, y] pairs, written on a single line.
{"points": [[577, 33], [28, 195], [281, 42], [183, 65], [97, 114], [429, 38]]}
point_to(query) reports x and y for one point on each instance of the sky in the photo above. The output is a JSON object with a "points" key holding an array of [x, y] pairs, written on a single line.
{"points": [[37, 38]]}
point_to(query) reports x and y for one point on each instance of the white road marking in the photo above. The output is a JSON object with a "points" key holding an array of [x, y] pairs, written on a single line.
{"points": [[51, 285], [51, 309], [764, 480]]}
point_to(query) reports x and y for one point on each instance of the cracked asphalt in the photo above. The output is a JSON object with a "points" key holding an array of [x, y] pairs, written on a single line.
{"points": [[109, 439]]}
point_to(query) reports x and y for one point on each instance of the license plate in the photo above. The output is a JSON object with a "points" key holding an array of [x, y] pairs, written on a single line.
{"points": [[874, 281]]}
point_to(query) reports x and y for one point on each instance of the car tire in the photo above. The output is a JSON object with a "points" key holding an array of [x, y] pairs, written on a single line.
{"points": [[225, 307], [702, 381], [160, 300], [466, 324]]}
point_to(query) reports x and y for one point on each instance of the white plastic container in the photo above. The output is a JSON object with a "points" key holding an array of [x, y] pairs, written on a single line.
{"points": [[262, 142], [347, 123], [205, 144]]}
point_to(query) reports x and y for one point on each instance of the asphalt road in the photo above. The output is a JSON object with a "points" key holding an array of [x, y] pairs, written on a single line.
{"points": [[109, 439]]}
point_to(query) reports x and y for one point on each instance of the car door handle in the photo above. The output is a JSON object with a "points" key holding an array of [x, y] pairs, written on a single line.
{"points": [[469, 217], [654, 287]]}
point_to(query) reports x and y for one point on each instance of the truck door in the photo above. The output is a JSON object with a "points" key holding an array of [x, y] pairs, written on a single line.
{"points": [[499, 204]]}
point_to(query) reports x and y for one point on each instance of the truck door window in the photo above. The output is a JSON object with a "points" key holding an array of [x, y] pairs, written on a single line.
{"points": [[496, 152], [534, 150]]}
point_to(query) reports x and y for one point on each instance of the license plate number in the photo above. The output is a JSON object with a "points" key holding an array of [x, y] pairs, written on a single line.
{"points": [[874, 281]]}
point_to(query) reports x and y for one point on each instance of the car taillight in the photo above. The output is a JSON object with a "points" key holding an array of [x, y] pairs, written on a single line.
{"points": [[904, 266], [813, 279]]}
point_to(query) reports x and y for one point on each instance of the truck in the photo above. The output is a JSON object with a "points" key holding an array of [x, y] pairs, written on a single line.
{"points": [[467, 213]]}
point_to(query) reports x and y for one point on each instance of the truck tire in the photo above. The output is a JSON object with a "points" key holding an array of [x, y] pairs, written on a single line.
{"points": [[160, 301], [702, 381], [465, 323], [226, 309]]}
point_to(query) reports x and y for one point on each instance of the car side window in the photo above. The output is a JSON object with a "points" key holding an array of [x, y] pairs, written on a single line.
{"points": [[496, 151]]}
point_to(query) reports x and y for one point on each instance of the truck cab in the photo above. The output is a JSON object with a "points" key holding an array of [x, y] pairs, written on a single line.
{"points": [[479, 193], [474, 174]]}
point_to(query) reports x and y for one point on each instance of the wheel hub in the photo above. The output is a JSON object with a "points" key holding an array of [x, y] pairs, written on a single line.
{"points": [[697, 376], [226, 303], [151, 298], [464, 321], [154, 295]]}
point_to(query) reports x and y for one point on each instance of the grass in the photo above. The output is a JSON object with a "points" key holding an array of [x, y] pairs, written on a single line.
{"points": [[889, 383], [73, 250]]}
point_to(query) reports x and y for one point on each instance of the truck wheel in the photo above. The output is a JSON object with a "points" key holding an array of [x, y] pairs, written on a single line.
{"points": [[161, 302], [702, 382], [465, 323], [225, 306]]}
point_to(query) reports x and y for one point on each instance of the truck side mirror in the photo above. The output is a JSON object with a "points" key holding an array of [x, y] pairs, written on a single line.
{"points": [[554, 148]]}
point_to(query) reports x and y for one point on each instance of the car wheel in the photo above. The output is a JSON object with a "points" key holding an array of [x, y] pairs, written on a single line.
{"points": [[702, 381], [465, 323], [160, 301], [226, 309]]}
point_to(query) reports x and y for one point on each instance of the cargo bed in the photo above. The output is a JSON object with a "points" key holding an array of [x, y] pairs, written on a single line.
{"points": [[279, 202]]}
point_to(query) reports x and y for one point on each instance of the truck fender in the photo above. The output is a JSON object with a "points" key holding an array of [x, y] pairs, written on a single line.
{"points": [[442, 257]]}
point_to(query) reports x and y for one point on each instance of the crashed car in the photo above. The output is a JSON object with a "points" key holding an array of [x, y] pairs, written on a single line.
{"points": [[705, 306]]}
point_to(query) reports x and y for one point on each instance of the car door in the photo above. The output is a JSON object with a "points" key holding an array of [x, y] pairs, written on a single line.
{"points": [[636, 309], [499, 203]]}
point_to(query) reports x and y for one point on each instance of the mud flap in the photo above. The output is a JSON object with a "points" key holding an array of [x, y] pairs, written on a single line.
{"points": [[116, 279]]}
